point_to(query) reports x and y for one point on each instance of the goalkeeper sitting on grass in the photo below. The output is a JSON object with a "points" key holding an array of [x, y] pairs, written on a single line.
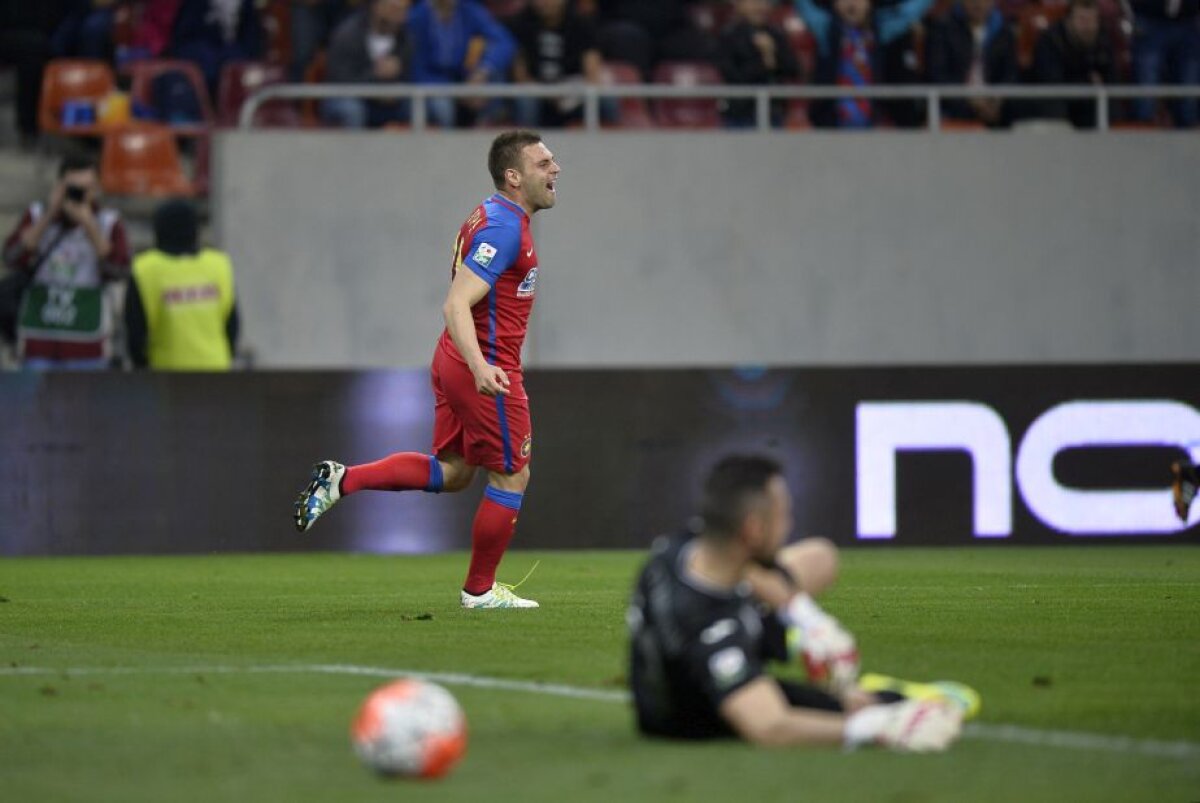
{"points": [[710, 609]]}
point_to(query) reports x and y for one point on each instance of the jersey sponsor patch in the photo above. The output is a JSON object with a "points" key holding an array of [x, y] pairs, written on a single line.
{"points": [[484, 254], [527, 286], [727, 666]]}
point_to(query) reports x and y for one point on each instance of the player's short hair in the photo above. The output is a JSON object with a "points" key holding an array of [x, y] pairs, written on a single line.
{"points": [[506, 151], [74, 162], [733, 486]]}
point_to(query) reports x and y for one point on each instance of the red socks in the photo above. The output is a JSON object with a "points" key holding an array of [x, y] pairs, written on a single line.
{"points": [[495, 522], [403, 471]]}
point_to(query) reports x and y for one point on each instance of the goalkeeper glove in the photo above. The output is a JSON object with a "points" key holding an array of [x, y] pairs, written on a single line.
{"points": [[912, 726], [827, 650]]}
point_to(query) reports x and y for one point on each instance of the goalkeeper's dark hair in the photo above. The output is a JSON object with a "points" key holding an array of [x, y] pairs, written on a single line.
{"points": [[733, 487], [505, 152]]}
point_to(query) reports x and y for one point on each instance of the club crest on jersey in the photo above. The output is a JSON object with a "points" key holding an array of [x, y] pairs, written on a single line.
{"points": [[484, 254], [527, 446], [526, 288]]}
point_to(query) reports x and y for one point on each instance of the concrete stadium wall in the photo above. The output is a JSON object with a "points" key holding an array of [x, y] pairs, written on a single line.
{"points": [[720, 248]]}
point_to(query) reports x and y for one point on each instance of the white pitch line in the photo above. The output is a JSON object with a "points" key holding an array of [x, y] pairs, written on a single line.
{"points": [[1076, 740]]}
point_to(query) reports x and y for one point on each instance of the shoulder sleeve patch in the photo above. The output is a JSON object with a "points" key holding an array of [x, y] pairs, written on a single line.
{"points": [[727, 667], [484, 254]]}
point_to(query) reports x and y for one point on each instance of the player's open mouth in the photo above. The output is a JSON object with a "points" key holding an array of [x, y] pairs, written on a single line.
{"points": [[552, 186]]}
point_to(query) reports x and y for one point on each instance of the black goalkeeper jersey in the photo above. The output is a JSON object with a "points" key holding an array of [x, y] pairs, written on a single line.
{"points": [[692, 645]]}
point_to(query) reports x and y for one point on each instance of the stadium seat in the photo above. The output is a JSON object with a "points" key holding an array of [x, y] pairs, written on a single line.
{"points": [[240, 80], [1115, 20], [142, 74], [314, 73], [634, 113], [1032, 20], [276, 18], [711, 17], [506, 9], [68, 80], [126, 17], [142, 160], [803, 43], [687, 113], [950, 124]]}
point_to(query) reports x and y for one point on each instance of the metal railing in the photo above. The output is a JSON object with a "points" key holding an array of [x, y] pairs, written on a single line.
{"points": [[591, 95]]}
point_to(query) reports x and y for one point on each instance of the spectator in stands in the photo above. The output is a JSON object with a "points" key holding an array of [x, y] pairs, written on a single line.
{"points": [[646, 33], [86, 31], [181, 313], [974, 45], [459, 42], [554, 46], [67, 248], [310, 28], [152, 35], [212, 32], [852, 42], [1166, 48], [753, 51], [25, 29], [1075, 50], [370, 46]]}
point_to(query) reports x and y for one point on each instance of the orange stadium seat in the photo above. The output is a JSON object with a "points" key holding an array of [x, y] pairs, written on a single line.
{"points": [[143, 160], [142, 75], [72, 80], [634, 113], [687, 113], [240, 80]]}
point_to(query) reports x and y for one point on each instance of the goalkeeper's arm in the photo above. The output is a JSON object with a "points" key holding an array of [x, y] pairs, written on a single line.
{"points": [[760, 714]]}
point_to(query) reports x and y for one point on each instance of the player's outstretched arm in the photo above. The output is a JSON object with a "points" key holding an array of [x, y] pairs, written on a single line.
{"points": [[466, 291], [760, 714]]}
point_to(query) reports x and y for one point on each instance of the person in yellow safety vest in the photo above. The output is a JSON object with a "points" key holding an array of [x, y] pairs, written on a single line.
{"points": [[180, 309]]}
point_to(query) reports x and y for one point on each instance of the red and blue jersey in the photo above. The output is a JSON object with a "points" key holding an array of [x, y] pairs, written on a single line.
{"points": [[495, 244]]}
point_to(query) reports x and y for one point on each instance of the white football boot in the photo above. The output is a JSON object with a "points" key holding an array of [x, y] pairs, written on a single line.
{"points": [[322, 493]]}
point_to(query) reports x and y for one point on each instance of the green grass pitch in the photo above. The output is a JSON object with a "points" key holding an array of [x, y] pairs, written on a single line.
{"points": [[198, 679]]}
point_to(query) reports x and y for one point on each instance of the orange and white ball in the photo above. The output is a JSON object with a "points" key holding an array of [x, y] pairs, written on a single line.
{"points": [[411, 728]]}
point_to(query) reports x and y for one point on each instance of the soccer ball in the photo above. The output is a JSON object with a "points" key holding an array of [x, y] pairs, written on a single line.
{"points": [[410, 728]]}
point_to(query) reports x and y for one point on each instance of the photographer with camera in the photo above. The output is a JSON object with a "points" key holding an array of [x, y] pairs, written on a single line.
{"points": [[63, 251]]}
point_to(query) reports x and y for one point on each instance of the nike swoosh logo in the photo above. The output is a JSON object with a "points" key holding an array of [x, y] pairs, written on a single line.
{"points": [[529, 253]]}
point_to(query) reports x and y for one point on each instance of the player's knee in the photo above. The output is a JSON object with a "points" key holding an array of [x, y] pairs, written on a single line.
{"points": [[516, 482], [456, 475], [814, 563]]}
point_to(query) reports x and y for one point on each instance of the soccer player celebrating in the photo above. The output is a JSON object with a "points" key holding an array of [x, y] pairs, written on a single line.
{"points": [[481, 413], [711, 608]]}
